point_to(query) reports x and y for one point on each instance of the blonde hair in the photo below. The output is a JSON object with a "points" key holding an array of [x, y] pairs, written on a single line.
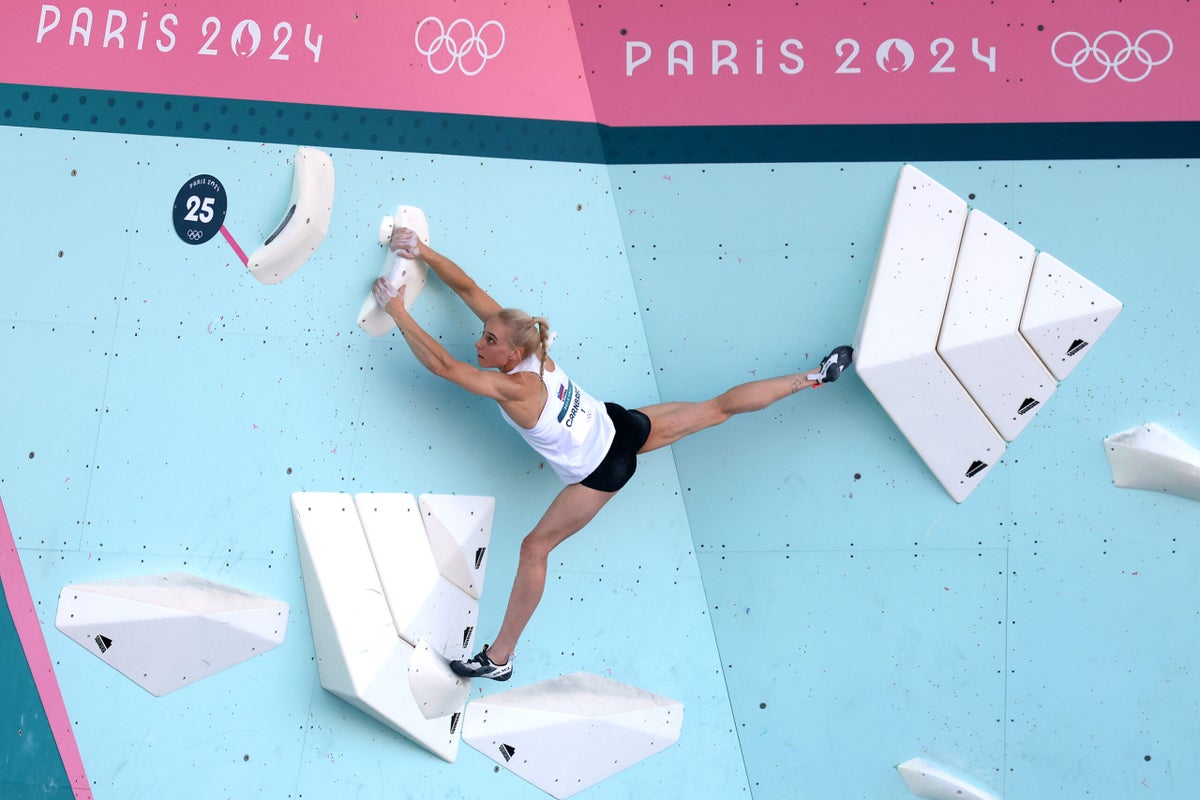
{"points": [[531, 334]]}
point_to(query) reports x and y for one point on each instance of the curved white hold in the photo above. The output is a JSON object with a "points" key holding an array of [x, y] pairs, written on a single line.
{"points": [[408, 271], [934, 783], [386, 226], [1151, 457], [304, 223], [437, 691]]}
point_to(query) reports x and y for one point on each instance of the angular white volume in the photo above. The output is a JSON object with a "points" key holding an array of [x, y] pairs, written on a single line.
{"points": [[459, 529], [1151, 457], [980, 337], [1065, 314], [932, 782], [304, 223], [965, 331], [567, 734], [437, 691], [410, 272], [360, 657], [424, 604], [897, 336], [164, 632]]}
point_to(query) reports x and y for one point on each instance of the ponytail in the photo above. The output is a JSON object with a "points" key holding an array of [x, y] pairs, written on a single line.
{"points": [[544, 339]]}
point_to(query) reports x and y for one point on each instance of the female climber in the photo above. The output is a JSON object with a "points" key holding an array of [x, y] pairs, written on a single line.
{"points": [[592, 446]]}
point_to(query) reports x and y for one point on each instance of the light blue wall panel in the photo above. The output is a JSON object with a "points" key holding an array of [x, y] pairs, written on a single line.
{"points": [[826, 477], [193, 408], [846, 664], [1102, 668]]}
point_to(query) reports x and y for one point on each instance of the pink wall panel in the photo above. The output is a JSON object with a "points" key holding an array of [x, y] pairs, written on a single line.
{"points": [[679, 62], [630, 62], [470, 57]]}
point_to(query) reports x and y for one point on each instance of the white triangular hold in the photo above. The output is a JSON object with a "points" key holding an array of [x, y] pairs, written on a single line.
{"points": [[164, 632], [896, 344], [1151, 457], [360, 656], [409, 272], [1065, 314], [569, 733], [932, 782], [305, 221], [941, 421], [907, 294], [424, 605], [459, 529], [437, 691], [980, 338]]}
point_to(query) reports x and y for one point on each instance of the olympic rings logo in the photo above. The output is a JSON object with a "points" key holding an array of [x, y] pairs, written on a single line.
{"points": [[1131, 61], [458, 44], [195, 235]]}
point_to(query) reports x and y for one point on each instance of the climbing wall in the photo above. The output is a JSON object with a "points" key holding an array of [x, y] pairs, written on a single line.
{"points": [[803, 564]]}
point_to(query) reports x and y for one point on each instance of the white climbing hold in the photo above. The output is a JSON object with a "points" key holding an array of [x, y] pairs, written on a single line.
{"points": [[1150, 457]]}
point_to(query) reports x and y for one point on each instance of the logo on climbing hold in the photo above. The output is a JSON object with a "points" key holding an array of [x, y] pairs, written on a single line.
{"points": [[454, 722], [479, 556], [103, 642], [975, 468], [467, 631], [1027, 406], [508, 751], [1076, 346]]}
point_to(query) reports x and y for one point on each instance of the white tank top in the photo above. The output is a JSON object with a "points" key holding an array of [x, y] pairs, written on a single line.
{"points": [[573, 432]]}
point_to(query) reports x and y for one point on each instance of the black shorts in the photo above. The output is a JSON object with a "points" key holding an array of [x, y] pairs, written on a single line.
{"points": [[632, 431]]}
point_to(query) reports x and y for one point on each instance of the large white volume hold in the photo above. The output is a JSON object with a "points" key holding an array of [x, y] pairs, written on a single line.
{"points": [[305, 222], [360, 657], [897, 336], [1150, 457], [569, 733], [980, 337], [164, 632], [425, 606], [409, 272]]}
